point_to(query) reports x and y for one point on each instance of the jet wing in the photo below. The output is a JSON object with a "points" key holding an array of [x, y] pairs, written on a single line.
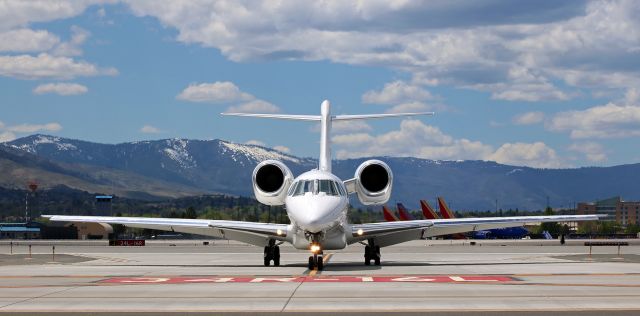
{"points": [[391, 233], [249, 232]]}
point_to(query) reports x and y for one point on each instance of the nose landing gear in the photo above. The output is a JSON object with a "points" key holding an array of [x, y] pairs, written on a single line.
{"points": [[272, 252], [371, 252], [316, 260]]}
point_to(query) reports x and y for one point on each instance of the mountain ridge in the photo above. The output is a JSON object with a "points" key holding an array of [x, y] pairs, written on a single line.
{"points": [[219, 166]]}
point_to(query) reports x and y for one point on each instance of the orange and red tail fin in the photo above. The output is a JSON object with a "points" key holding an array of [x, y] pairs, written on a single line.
{"points": [[404, 214], [444, 209], [388, 215], [427, 210]]}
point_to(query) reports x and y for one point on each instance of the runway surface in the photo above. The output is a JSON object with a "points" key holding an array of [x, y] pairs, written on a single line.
{"points": [[422, 276]]}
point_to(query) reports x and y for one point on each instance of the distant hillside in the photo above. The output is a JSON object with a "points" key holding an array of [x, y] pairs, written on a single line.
{"points": [[179, 167]]}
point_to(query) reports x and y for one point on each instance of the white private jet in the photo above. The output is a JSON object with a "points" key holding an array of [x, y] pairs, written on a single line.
{"points": [[317, 203]]}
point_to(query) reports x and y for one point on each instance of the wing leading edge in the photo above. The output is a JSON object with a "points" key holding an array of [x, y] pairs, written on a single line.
{"points": [[390, 233], [249, 232]]}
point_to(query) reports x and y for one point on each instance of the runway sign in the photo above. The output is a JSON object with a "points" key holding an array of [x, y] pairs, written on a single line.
{"points": [[318, 279]]}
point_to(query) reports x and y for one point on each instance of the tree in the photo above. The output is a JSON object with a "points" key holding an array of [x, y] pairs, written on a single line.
{"points": [[191, 213]]}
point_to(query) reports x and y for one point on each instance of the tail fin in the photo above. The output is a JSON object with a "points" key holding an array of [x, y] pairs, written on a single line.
{"points": [[427, 210], [388, 216], [444, 209], [404, 214]]}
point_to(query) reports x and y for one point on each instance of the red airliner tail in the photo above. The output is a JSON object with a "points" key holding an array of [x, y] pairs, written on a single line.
{"points": [[444, 209], [427, 210], [388, 215], [404, 214]]}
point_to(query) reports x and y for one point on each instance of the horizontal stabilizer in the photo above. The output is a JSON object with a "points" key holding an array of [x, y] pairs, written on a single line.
{"points": [[278, 116], [374, 116]]}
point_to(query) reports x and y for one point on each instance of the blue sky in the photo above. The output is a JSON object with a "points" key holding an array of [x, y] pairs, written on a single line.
{"points": [[543, 83]]}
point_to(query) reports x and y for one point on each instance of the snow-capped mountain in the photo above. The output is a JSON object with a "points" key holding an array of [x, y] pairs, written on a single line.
{"points": [[158, 168]]}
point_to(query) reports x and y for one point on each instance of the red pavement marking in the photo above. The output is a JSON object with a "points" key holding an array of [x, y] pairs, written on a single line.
{"points": [[320, 279]]}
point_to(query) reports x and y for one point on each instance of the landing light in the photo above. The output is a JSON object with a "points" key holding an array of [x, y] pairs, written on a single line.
{"points": [[360, 232], [315, 248], [279, 232]]}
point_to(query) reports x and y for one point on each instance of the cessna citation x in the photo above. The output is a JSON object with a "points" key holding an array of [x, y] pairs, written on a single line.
{"points": [[316, 203]]}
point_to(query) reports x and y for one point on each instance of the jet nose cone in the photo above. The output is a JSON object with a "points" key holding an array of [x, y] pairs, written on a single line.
{"points": [[314, 217]]}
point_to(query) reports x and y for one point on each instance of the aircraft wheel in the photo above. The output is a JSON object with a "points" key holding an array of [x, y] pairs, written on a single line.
{"points": [[311, 263], [276, 256], [267, 257], [320, 263], [367, 255], [376, 255]]}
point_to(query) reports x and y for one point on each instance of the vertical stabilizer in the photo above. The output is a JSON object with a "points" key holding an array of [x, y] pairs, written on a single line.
{"points": [[325, 134], [404, 214], [427, 210], [444, 209], [388, 215]]}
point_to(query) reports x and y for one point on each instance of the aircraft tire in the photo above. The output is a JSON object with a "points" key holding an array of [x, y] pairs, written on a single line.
{"points": [[267, 256], [311, 263], [276, 256]]}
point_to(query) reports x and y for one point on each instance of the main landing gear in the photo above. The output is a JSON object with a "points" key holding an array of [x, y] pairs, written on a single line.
{"points": [[272, 252], [371, 252], [316, 260]]}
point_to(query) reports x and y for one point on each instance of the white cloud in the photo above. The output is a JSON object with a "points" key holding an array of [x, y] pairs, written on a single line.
{"points": [[536, 154], [217, 92], [411, 107], [61, 88], [27, 40], [528, 118], [414, 139], [283, 149], [594, 152], [255, 106], [225, 92], [32, 128], [48, 66], [395, 93], [464, 44], [7, 137], [73, 46], [149, 129], [605, 121], [256, 142], [16, 13]]}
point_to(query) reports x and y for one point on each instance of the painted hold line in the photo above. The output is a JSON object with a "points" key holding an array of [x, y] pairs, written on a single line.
{"points": [[316, 279]]}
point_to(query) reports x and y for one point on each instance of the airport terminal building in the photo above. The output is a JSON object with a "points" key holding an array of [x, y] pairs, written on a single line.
{"points": [[625, 212]]}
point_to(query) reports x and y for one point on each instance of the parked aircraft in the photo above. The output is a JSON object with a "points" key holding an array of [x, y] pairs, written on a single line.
{"points": [[427, 210], [500, 233], [404, 214], [317, 203], [388, 215]]}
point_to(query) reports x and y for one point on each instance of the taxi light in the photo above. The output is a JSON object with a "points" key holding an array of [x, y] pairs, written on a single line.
{"points": [[360, 232], [315, 248], [279, 232]]}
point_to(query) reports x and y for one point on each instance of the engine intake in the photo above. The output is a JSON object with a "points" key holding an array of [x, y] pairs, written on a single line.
{"points": [[374, 180], [271, 181]]}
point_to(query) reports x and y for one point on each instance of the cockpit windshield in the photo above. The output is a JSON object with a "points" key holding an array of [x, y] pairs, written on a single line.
{"points": [[315, 187]]}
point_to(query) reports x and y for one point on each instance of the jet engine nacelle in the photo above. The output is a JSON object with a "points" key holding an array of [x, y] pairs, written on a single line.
{"points": [[271, 181], [374, 180]]}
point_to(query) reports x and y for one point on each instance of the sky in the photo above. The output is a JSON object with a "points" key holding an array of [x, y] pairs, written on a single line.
{"points": [[547, 84]]}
